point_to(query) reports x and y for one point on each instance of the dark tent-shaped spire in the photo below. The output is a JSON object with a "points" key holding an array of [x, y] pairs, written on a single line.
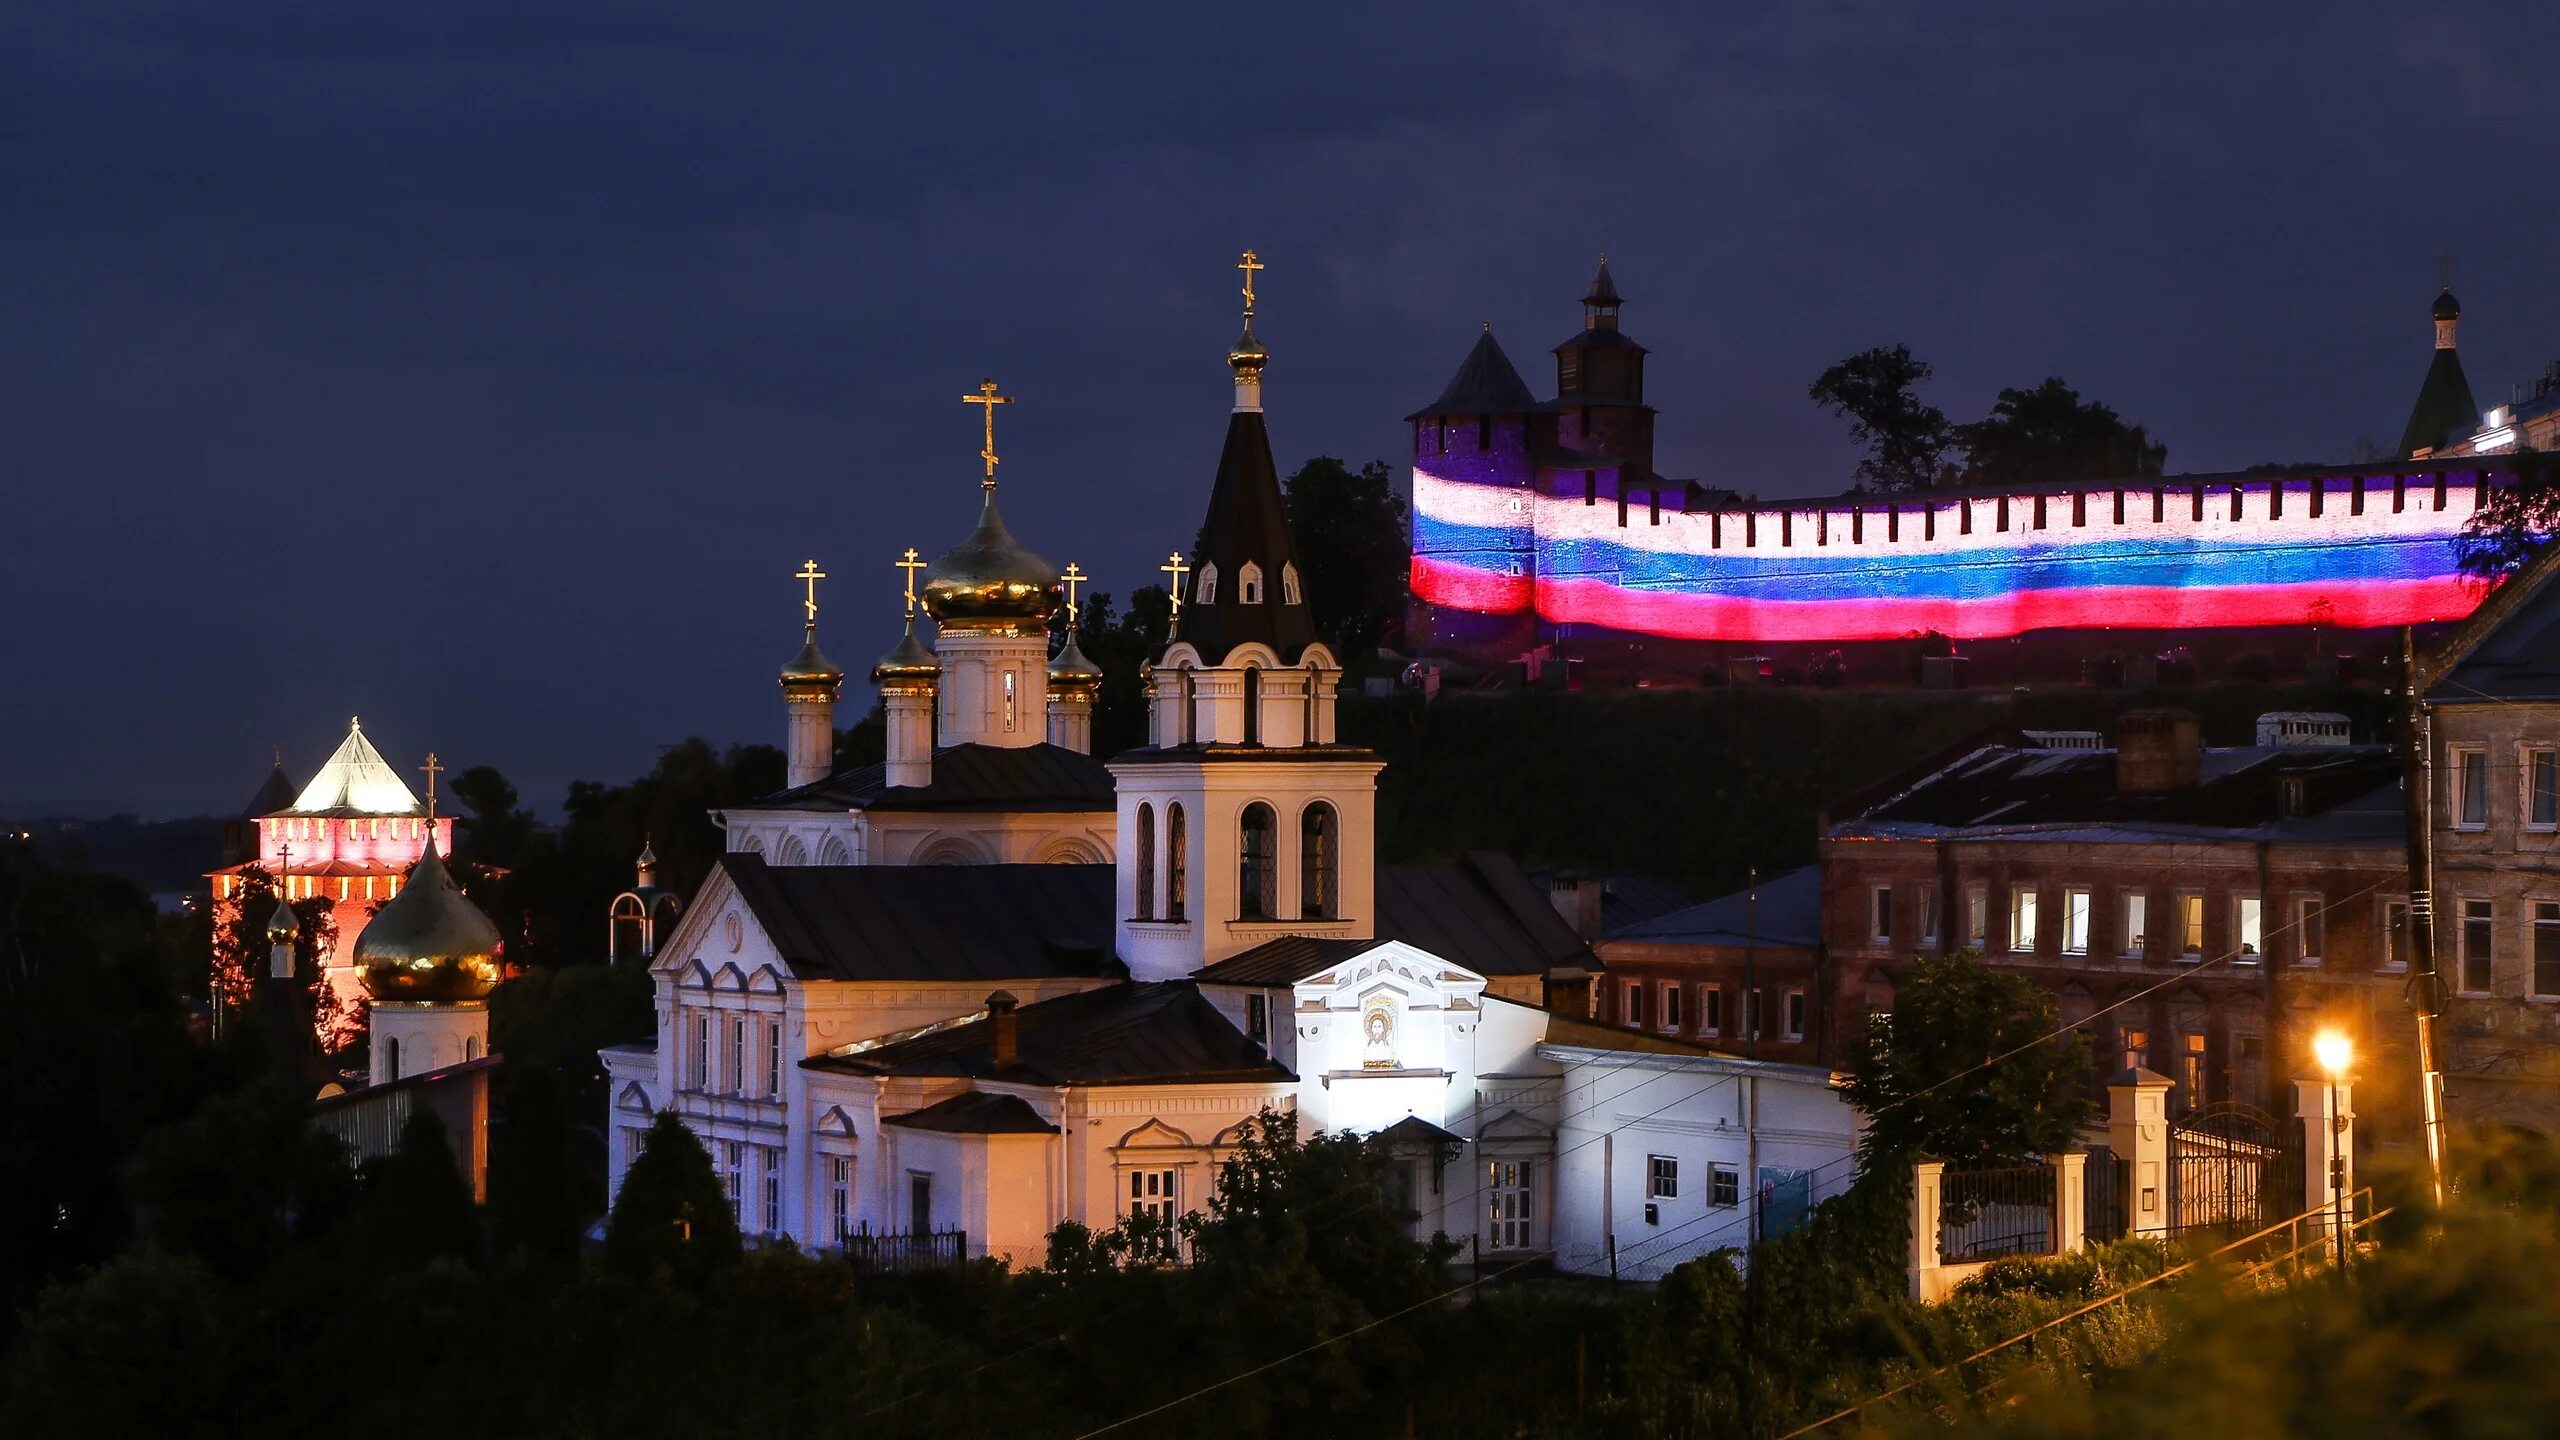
{"points": [[276, 794], [1604, 288], [2445, 412], [1247, 565], [1486, 384]]}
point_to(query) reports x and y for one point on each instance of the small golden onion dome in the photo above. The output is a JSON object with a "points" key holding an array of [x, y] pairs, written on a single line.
{"points": [[283, 927], [1248, 355], [811, 666], [991, 581], [428, 944], [1071, 670], [910, 661]]}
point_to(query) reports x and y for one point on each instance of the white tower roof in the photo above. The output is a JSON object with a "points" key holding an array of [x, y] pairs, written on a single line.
{"points": [[357, 780]]}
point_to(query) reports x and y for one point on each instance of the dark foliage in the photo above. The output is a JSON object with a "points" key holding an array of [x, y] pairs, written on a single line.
{"points": [[672, 1219], [1905, 439], [2049, 435], [2512, 524], [1354, 540], [1961, 1069]]}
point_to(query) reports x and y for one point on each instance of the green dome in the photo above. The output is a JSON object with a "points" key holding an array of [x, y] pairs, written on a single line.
{"points": [[429, 944]]}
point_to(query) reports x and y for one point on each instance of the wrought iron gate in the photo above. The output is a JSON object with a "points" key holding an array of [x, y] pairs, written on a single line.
{"points": [[2233, 1166]]}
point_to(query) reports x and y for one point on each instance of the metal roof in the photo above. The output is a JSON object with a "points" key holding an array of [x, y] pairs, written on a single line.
{"points": [[1790, 914], [1044, 779], [975, 1112], [1487, 383], [932, 922], [1482, 913], [357, 781], [1247, 523], [2347, 795], [1161, 1032]]}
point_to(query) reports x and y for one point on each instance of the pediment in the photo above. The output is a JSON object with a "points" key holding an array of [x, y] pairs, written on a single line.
{"points": [[1156, 1135], [834, 1122], [634, 1101], [1512, 1125]]}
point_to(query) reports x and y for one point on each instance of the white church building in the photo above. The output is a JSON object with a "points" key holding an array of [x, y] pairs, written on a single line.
{"points": [[992, 984]]}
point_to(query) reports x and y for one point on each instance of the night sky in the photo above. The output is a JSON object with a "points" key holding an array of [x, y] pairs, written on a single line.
{"points": [[486, 368]]}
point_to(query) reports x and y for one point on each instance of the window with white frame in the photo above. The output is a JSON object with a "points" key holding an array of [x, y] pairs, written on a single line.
{"points": [[1662, 1177], [1204, 591], [2470, 789], [701, 1068], [1289, 583], [1711, 1010], [2133, 911], [1151, 1193], [733, 1062], [1631, 1009], [1671, 1005], [773, 1059], [1927, 939], [1249, 584], [733, 1177], [2395, 935], [840, 1196], [1724, 1186], [2190, 926], [2541, 789], [1507, 1205], [2248, 929], [772, 1176], [1880, 914], [2479, 946], [2022, 918], [2075, 921], [1795, 1014], [2310, 929], [1977, 916]]}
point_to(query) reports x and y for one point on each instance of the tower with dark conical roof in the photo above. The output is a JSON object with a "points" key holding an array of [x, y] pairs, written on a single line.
{"points": [[2445, 413], [1600, 383], [1244, 818]]}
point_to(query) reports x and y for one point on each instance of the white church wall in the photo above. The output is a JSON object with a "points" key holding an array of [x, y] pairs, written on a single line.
{"points": [[1663, 1131]]}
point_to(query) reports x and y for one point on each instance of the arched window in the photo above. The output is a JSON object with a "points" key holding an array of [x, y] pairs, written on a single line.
{"points": [[1206, 591], [1177, 862], [1253, 704], [1146, 862], [470, 1047], [391, 1060], [1319, 862], [1288, 583], [1249, 584], [1190, 709], [1257, 874]]}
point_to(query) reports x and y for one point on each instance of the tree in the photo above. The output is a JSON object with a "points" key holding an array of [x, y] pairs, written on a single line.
{"points": [[1322, 1206], [495, 830], [2049, 435], [241, 1179], [1350, 526], [672, 1218], [1966, 1068], [418, 1210], [1906, 440], [1122, 645], [533, 1191], [2511, 526]]}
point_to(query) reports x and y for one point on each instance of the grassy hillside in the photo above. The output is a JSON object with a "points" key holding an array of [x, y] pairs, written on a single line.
{"points": [[1694, 786]]}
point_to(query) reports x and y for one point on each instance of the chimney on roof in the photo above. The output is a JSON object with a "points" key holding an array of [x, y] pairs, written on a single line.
{"points": [[1578, 898], [1008, 1028], [2158, 750]]}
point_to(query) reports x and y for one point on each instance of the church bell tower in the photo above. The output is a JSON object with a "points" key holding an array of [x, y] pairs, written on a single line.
{"points": [[1243, 820]]}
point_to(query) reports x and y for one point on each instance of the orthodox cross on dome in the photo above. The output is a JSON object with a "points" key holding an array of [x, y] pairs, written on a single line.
{"points": [[2444, 268], [911, 564], [1174, 567], [1249, 264], [989, 399], [809, 575], [1073, 576], [433, 768]]}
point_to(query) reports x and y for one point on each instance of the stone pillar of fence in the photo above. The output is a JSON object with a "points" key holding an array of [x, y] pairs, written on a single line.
{"points": [[1928, 1186], [2138, 1133], [2325, 1136], [2070, 1201]]}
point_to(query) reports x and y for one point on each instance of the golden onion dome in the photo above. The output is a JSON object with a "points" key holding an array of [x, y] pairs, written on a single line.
{"points": [[283, 927], [991, 581], [910, 661], [1247, 354], [429, 944], [811, 666], [1071, 670]]}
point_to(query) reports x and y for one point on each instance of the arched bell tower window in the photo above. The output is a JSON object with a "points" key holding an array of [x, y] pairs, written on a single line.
{"points": [[1146, 909], [1205, 591], [1249, 584], [1289, 583], [1319, 849], [1253, 704], [1190, 709], [1257, 873], [391, 1060], [1177, 863]]}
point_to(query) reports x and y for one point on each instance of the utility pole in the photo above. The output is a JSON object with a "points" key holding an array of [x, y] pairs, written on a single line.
{"points": [[2426, 988], [1750, 945]]}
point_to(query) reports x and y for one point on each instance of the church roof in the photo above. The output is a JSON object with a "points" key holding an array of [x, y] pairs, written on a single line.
{"points": [[356, 781], [1134, 1034], [276, 794], [1247, 523], [975, 1112], [1483, 913], [1046, 779], [1486, 384], [932, 922], [2445, 411]]}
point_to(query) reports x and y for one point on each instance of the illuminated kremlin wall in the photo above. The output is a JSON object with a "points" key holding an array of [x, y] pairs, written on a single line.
{"points": [[1508, 553]]}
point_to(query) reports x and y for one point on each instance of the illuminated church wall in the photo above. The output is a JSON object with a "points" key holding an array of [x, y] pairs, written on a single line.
{"points": [[2348, 550]]}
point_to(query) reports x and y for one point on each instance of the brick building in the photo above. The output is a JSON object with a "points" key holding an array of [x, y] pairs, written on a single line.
{"points": [[1695, 972]]}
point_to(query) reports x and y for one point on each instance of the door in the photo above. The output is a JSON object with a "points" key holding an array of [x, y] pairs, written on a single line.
{"points": [[1507, 1190], [919, 1203]]}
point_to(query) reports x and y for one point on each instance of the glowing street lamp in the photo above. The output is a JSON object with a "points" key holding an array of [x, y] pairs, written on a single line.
{"points": [[2335, 1052]]}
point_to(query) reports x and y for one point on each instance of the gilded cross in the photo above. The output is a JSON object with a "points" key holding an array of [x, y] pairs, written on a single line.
{"points": [[988, 398], [1073, 576], [809, 575], [2444, 268], [1249, 264], [1174, 567], [909, 563], [433, 768]]}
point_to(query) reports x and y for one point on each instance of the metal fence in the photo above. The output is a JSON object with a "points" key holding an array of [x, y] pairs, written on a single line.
{"points": [[2108, 1195], [898, 1254], [1985, 1214]]}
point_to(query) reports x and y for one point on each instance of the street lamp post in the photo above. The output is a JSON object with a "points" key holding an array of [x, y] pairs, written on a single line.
{"points": [[2335, 1052]]}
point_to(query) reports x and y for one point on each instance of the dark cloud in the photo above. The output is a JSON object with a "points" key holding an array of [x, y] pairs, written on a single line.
{"points": [[486, 367]]}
